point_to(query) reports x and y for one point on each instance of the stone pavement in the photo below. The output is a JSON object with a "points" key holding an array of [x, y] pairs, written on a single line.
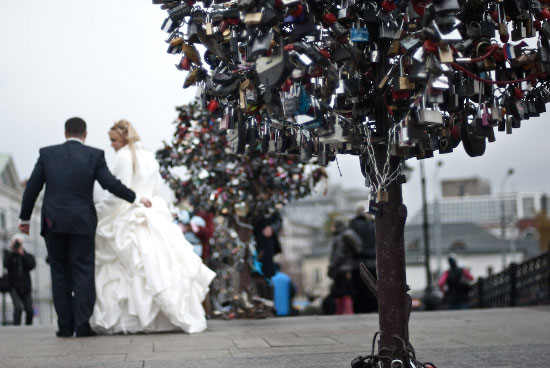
{"points": [[489, 338]]}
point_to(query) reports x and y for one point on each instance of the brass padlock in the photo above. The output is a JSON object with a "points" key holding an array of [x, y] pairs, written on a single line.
{"points": [[445, 54], [252, 18], [403, 83], [382, 195]]}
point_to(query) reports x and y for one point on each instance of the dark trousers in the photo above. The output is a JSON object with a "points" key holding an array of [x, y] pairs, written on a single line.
{"points": [[21, 301], [73, 285]]}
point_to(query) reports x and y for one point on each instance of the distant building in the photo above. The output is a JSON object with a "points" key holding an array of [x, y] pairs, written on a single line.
{"points": [[468, 225], [486, 210], [11, 192], [465, 187]]}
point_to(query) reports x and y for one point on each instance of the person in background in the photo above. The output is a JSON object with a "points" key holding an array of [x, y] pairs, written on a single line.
{"points": [[190, 225], [345, 245], [266, 227], [283, 292], [364, 300], [19, 264], [455, 283], [205, 232]]}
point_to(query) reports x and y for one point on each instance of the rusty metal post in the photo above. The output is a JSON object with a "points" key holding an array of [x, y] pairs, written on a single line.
{"points": [[393, 301]]}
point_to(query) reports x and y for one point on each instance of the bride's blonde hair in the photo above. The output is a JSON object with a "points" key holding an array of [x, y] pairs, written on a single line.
{"points": [[129, 136]]}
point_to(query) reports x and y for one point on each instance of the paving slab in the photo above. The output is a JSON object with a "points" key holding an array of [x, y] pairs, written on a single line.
{"points": [[489, 338]]}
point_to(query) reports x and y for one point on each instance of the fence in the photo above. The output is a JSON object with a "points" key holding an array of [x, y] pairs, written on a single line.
{"points": [[527, 283]]}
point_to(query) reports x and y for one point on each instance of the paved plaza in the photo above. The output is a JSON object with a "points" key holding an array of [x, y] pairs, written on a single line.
{"points": [[489, 338]]}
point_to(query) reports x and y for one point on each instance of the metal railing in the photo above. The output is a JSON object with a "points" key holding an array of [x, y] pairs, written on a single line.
{"points": [[527, 283]]}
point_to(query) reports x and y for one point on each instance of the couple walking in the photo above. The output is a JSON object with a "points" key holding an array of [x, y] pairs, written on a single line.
{"points": [[120, 265]]}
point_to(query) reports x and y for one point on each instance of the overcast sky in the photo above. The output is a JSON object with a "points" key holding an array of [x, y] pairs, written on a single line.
{"points": [[105, 60]]}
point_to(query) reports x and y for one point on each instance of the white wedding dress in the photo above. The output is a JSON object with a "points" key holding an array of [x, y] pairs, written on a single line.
{"points": [[147, 276]]}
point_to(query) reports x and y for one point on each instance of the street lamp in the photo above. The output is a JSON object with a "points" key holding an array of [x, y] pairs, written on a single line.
{"points": [[509, 173], [437, 220], [429, 299]]}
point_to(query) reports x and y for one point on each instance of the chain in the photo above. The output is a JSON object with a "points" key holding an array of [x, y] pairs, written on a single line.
{"points": [[384, 179]]}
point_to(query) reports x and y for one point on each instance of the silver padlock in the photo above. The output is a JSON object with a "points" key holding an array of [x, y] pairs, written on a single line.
{"points": [[372, 53]]}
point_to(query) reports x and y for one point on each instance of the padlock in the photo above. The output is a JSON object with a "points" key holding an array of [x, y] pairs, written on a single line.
{"points": [[344, 12], [394, 48], [487, 26], [427, 116], [290, 100], [252, 18], [446, 6], [445, 54], [502, 25], [386, 77], [519, 31], [402, 83], [385, 32], [372, 53], [359, 32], [352, 84]]}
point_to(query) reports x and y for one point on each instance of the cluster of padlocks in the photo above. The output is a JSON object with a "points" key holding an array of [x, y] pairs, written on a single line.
{"points": [[215, 179], [316, 77], [232, 296]]}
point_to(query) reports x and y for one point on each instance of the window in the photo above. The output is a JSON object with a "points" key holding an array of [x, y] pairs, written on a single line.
{"points": [[2, 219], [414, 245], [458, 245]]}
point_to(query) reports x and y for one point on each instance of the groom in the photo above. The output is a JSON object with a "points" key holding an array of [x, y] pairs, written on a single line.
{"points": [[69, 221]]}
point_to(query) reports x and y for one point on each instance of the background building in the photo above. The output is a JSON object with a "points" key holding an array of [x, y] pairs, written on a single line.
{"points": [[486, 231], [11, 191]]}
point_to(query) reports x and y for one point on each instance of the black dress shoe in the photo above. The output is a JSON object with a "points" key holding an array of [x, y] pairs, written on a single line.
{"points": [[61, 333], [86, 333]]}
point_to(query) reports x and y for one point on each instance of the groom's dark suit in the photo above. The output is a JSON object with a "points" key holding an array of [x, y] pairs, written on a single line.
{"points": [[68, 225]]}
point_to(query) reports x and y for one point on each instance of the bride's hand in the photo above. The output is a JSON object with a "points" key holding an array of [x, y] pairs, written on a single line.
{"points": [[146, 202]]}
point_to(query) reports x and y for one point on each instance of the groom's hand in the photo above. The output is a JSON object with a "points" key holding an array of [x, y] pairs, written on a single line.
{"points": [[24, 228], [146, 202]]}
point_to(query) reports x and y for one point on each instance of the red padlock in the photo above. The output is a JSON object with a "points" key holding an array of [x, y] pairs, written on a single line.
{"points": [[537, 24], [325, 53], [289, 47], [400, 95], [329, 18], [185, 63], [388, 5], [213, 105], [545, 13], [430, 46], [297, 10]]}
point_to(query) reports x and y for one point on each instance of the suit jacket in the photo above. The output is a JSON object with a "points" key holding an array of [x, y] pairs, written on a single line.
{"points": [[69, 171]]}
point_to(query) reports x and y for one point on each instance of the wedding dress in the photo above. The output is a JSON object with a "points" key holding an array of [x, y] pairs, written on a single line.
{"points": [[147, 276]]}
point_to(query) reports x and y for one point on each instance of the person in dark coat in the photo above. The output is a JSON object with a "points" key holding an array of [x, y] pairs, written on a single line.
{"points": [[364, 300], [69, 221], [344, 246], [266, 233], [19, 265], [266, 227], [455, 283]]}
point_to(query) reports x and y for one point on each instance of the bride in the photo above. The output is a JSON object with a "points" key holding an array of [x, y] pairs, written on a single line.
{"points": [[147, 276]]}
